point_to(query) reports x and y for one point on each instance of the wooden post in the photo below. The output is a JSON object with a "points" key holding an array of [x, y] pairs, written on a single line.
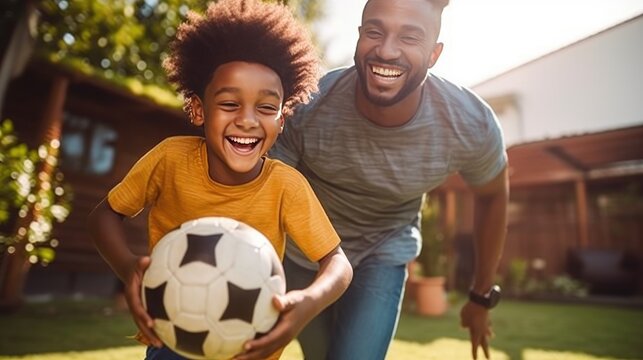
{"points": [[581, 213], [15, 267]]}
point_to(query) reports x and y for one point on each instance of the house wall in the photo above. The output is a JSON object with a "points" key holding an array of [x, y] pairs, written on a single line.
{"points": [[589, 86], [139, 124]]}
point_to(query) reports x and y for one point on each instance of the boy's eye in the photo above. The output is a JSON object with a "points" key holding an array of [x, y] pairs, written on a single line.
{"points": [[268, 109], [228, 105]]}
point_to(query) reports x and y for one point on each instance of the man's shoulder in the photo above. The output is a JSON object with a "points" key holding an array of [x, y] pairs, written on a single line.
{"points": [[327, 85], [456, 98], [331, 77], [445, 89], [328, 82]]}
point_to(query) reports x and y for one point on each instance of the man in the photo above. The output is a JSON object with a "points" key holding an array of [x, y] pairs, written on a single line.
{"points": [[375, 139]]}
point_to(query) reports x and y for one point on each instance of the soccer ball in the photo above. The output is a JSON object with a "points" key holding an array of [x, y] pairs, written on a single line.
{"points": [[209, 287]]}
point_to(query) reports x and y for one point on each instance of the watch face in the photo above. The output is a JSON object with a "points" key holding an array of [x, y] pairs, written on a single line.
{"points": [[489, 300], [494, 296]]}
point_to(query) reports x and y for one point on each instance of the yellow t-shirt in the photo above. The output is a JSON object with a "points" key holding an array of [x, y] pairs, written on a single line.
{"points": [[172, 180]]}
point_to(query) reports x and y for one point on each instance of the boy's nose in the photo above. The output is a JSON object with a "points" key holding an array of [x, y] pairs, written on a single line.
{"points": [[248, 119]]}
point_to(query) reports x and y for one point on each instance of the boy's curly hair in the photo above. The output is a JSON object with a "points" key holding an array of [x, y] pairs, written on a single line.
{"points": [[244, 30]]}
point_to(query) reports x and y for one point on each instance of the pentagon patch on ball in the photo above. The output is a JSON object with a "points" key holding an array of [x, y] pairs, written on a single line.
{"points": [[209, 287]]}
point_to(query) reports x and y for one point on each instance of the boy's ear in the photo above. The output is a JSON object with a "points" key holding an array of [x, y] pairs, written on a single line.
{"points": [[281, 123], [195, 111]]}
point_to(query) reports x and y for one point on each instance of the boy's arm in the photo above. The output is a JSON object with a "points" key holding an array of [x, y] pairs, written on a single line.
{"points": [[107, 232], [298, 307]]}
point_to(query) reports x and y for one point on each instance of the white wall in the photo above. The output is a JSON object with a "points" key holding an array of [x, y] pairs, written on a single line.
{"points": [[593, 85]]}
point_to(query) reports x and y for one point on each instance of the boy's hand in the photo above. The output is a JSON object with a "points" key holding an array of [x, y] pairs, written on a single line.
{"points": [[134, 300], [296, 311]]}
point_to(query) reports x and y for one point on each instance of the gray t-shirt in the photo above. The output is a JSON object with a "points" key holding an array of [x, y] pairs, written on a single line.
{"points": [[371, 179]]}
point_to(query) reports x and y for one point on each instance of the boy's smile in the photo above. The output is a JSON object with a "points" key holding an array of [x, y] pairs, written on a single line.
{"points": [[241, 116]]}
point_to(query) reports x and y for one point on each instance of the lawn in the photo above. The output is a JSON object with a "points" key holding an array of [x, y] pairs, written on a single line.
{"points": [[92, 330]]}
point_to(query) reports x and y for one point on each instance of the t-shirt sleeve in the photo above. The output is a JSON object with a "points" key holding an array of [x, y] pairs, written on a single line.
{"points": [[490, 156], [141, 185], [306, 221]]}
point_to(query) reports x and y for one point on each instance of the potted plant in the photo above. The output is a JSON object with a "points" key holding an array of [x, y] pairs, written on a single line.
{"points": [[427, 274]]}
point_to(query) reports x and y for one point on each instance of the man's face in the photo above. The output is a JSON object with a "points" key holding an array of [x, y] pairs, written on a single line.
{"points": [[396, 47]]}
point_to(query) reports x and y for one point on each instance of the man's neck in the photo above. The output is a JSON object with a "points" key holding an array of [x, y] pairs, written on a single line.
{"points": [[395, 115]]}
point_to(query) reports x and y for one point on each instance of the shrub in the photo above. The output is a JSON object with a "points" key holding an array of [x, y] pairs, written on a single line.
{"points": [[31, 199]]}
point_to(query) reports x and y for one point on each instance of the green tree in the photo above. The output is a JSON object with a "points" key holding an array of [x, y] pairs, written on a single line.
{"points": [[125, 38]]}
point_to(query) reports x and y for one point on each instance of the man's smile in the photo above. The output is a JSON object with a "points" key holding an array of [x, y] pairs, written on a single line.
{"points": [[387, 72]]}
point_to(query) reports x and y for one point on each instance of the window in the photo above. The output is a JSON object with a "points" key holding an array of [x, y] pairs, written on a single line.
{"points": [[87, 146]]}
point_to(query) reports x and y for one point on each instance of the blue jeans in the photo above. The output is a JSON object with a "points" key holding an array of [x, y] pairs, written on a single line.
{"points": [[164, 353], [361, 324]]}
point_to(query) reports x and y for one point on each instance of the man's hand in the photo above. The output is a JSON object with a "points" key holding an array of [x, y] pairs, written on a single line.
{"points": [[134, 300], [296, 312], [476, 318]]}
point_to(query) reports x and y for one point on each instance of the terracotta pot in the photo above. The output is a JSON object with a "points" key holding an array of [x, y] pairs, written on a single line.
{"points": [[430, 295]]}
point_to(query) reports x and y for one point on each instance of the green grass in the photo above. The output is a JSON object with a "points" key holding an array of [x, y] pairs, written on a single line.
{"points": [[92, 330]]}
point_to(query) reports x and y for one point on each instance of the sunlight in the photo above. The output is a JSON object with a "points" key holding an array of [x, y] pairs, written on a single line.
{"points": [[539, 354], [118, 353], [137, 352], [442, 348]]}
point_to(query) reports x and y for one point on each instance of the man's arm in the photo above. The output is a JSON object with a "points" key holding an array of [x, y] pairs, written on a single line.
{"points": [[490, 227]]}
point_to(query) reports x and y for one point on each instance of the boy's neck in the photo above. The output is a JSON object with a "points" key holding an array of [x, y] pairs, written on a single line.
{"points": [[238, 178]]}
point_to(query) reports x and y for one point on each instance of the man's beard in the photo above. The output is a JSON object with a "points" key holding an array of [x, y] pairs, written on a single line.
{"points": [[411, 84]]}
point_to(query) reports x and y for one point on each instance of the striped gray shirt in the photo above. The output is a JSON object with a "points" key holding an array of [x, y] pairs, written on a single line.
{"points": [[371, 179]]}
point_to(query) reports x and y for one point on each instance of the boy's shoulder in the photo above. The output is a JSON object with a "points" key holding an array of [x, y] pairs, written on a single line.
{"points": [[176, 148], [182, 140], [286, 174]]}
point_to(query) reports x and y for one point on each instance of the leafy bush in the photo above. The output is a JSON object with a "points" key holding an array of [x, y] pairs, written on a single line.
{"points": [[432, 259], [519, 281], [31, 199]]}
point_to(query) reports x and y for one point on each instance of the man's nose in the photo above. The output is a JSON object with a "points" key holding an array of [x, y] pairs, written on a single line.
{"points": [[389, 49]]}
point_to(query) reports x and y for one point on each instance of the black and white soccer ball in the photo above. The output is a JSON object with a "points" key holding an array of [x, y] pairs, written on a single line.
{"points": [[210, 285]]}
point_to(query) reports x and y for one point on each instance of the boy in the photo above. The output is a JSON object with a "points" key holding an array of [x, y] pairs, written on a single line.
{"points": [[241, 67]]}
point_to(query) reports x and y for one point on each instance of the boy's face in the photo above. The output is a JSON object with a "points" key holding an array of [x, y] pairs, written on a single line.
{"points": [[241, 117]]}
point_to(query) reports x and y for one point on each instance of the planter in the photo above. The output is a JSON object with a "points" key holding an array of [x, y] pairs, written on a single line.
{"points": [[429, 295]]}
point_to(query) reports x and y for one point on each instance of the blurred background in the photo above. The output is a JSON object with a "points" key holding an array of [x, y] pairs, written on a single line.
{"points": [[83, 96]]}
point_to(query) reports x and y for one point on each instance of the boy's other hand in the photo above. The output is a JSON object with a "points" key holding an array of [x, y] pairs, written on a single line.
{"points": [[135, 303], [297, 310]]}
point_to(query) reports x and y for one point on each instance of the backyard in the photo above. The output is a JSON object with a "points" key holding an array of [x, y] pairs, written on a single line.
{"points": [[93, 330]]}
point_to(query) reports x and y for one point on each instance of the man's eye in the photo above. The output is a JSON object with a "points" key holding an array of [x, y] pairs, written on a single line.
{"points": [[373, 34], [410, 39]]}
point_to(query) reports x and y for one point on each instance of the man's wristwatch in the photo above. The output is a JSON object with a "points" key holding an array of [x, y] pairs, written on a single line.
{"points": [[488, 300]]}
